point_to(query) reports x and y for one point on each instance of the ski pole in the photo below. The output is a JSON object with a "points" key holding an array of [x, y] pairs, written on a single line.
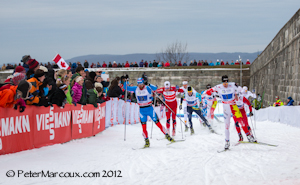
{"points": [[169, 109], [151, 119], [125, 109], [252, 127]]}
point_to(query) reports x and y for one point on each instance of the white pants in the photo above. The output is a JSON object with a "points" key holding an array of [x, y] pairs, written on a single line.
{"points": [[227, 116]]}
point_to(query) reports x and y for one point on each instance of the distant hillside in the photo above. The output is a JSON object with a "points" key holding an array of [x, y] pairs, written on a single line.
{"points": [[150, 57]]}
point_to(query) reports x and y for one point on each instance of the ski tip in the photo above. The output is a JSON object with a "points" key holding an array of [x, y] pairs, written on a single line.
{"points": [[224, 150]]}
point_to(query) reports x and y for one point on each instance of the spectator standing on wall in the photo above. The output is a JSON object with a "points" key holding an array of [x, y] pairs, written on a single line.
{"points": [[179, 63], [248, 62], [195, 62], [237, 62], [98, 64], [199, 63], [232, 63], [109, 65], [146, 64], [142, 63], [127, 64], [135, 64], [211, 63], [150, 64], [154, 63], [86, 64], [104, 64], [131, 64], [222, 63], [218, 63], [227, 63], [191, 64], [184, 64], [205, 63], [115, 64], [167, 64]]}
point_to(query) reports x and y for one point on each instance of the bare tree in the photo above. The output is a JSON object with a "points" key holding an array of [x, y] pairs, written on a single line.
{"points": [[174, 52]]}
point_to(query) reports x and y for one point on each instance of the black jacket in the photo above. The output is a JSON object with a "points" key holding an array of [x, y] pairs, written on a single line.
{"points": [[58, 97], [115, 92]]}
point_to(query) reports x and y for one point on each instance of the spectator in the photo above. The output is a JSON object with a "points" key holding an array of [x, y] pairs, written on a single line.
{"points": [[211, 63], [77, 86], [290, 101], [67, 80], [61, 73], [159, 64], [179, 63], [115, 90], [195, 63], [3, 67], [278, 102], [192, 63], [59, 97], [227, 63], [73, 67], [119, 65], [104, 84], [248, 62], [237, 62], [150, 64], [131, 64], [86, 64], [146, 64], [93, 95], [15, 80], [50, 66], [127, 64], [92, 66], [104, 64], [184, 64], [109, 65], [98, 64], [205, 63], [218, 63], [232, 63], [25, 60], [154, 63], [175, 64], [162, 64], [135, 64], [20, 69], [36, 81], [142, 63], [89, 82], [199, 63], [167, 64], [79, 64], [80, 72], [115, 65], [33, 66], [222, 63]]}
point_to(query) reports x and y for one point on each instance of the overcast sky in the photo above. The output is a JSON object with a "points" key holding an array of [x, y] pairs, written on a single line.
{"points": [[73, 28]]}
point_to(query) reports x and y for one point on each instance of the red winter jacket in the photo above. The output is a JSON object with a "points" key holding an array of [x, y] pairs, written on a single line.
{"points": [[127, 65], [104, 65]]}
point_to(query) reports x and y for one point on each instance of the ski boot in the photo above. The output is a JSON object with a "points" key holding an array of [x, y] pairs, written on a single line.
{"points": [[173, 132], [168, 137], [192, 131], [251, 139], [186, 128], [147, 143], [241, 137], [227, 145], [210, 129]]}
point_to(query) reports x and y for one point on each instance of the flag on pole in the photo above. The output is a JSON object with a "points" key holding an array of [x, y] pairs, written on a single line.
{"points": [[61, 62]]}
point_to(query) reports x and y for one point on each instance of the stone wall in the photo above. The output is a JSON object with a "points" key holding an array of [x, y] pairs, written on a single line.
{"points": [[197, 77], [276, 70]]}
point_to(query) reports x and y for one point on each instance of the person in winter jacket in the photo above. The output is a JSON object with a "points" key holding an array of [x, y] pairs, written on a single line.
{"points": [[104, 64], [290, 101], [86, 64], [80, 72], [127, 64], [33, 66], [142, 63], [15, 80], [89, 82], [66, 80], [115, 65], [167, 64], [115, 90], [278, 102], [25, 60], [93, 95], [36, 82], [77, 84], [59, 96]]}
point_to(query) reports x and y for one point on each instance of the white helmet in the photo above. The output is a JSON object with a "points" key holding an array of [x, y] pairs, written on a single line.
{"points": [[184, 82], [245, 88], [167, 84]]}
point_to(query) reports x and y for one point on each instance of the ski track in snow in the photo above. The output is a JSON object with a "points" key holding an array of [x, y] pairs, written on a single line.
{"points": [[193, 161]]}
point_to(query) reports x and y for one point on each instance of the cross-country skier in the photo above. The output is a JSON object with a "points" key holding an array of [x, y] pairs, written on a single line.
{"points": [[183, 104], [211, 104], [144, 99], [247, 93], [170, 100], [193, 105], [241, 102], [227, 91]]}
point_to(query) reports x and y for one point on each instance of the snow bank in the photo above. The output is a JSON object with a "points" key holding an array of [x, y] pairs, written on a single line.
{"points": [[284, 114]]}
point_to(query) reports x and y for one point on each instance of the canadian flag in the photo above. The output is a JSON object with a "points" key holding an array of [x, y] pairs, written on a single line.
{"points": [[61, 62]]}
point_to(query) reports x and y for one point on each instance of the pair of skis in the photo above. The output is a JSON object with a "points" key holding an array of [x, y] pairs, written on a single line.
{"points": [[176, 141], [247, 142]]}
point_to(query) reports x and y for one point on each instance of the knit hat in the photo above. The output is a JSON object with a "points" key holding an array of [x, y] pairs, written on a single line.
{"points": [[17, 78], [33, 63], [63, 87], [184, 82], [167, 84], [78, 79], [20, 69], [23, 88], [97, 84], [38, 73], [44, 69], [25, 58]]}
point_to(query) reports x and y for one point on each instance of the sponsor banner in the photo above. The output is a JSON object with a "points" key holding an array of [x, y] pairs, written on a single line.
{"points": [[51, 125], [82, 121], [99, 121], [16, 132]]}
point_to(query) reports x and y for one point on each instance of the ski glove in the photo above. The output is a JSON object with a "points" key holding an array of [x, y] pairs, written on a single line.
{"points": [[250, 114], [180, 107]]}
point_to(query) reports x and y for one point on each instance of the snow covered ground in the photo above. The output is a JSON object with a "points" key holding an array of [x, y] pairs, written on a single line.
{"points": [[194, 161]]}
